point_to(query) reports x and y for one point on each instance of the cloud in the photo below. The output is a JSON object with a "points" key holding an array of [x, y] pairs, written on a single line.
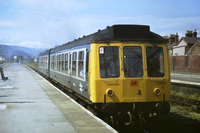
{"points": [[8, 44], [63, 6], [4, 23], [51, 25], [32, 44]]}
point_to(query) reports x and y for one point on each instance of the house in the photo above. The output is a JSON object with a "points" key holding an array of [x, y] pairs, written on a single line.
{"points": [[195, 49], [173, 40], [184, 45]]}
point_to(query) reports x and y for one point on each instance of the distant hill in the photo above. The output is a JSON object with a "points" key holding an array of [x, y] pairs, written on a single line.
{"points": [[18, 50]]}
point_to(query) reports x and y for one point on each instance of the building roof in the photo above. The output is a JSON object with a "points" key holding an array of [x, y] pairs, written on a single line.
{"points": [[189, 40]]}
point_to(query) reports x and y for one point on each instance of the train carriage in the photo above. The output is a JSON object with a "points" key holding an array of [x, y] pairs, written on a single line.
{"points": [[120, 69]]}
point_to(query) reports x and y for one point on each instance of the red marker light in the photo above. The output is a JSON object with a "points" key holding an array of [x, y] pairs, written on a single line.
{"points": [[157, 91], [109, 92]]}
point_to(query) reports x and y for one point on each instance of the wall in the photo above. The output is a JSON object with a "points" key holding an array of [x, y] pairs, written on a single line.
{"points": [[185, 64]]}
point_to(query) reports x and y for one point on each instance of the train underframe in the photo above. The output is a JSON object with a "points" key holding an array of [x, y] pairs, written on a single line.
{"points": [[127, 114]]}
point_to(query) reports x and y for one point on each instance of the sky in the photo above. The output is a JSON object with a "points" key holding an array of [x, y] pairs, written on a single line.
{"points": [[49, 23]]}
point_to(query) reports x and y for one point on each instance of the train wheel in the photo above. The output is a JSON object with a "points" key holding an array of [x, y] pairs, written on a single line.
{"points": [[139, 119], [112, 121]]}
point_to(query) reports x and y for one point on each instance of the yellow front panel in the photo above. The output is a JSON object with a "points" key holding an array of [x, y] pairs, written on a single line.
{"points": [[134, 90], [126, 89], [98, 86], [162, 83]]}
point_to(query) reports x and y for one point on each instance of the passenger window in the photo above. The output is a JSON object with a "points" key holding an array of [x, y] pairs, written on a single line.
{"points": [[155, 62], [109, 62], [54, 62], [46, 62], [51, 62], [63, 64], [74, 57], [66, 63], [81, 64], [60, 63], [57, 62], [133, 66], [70, 64]]}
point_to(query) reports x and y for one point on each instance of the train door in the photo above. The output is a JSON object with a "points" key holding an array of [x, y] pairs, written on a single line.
{"points": [[67, 70], [70, 70], [46, 65], [134, 85]]}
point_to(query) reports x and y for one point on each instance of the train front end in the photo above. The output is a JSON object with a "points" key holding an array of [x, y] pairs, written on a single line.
{"points": [[129, 77]]}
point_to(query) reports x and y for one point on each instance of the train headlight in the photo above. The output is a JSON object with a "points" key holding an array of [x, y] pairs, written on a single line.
{"points": [[157, 91], [109, 92]]}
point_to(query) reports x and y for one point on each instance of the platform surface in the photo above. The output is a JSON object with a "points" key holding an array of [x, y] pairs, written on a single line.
{"points": [[183, 78], [30, 104]]}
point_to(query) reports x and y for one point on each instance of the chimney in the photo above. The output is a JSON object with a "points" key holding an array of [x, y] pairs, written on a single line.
{"points": [[176, 38], [195, 33], [171, 38], [188, 33]]}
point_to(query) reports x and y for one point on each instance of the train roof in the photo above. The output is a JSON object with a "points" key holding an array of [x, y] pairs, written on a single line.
{"points": [[115, 33]]}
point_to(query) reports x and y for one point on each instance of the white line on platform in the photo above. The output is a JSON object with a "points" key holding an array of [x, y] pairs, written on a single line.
{"points": [[185, 82]]}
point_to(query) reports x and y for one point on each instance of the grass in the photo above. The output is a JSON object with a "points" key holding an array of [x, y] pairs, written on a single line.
{"points": [[188, 112], [194, 96], [32, 64]]}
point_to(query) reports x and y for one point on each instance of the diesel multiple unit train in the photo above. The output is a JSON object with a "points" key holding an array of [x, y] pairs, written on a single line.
{"points": [[123, 70]]}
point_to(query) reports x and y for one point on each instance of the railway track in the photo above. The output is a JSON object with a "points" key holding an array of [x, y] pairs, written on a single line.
{"points": [[182, 93], [193, 105]]}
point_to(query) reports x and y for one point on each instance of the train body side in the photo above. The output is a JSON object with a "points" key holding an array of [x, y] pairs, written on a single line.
{"points": [[68, 67]]}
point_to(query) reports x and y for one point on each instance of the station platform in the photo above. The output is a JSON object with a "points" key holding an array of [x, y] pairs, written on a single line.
{"points": [[182, 78], [30, 104]]}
